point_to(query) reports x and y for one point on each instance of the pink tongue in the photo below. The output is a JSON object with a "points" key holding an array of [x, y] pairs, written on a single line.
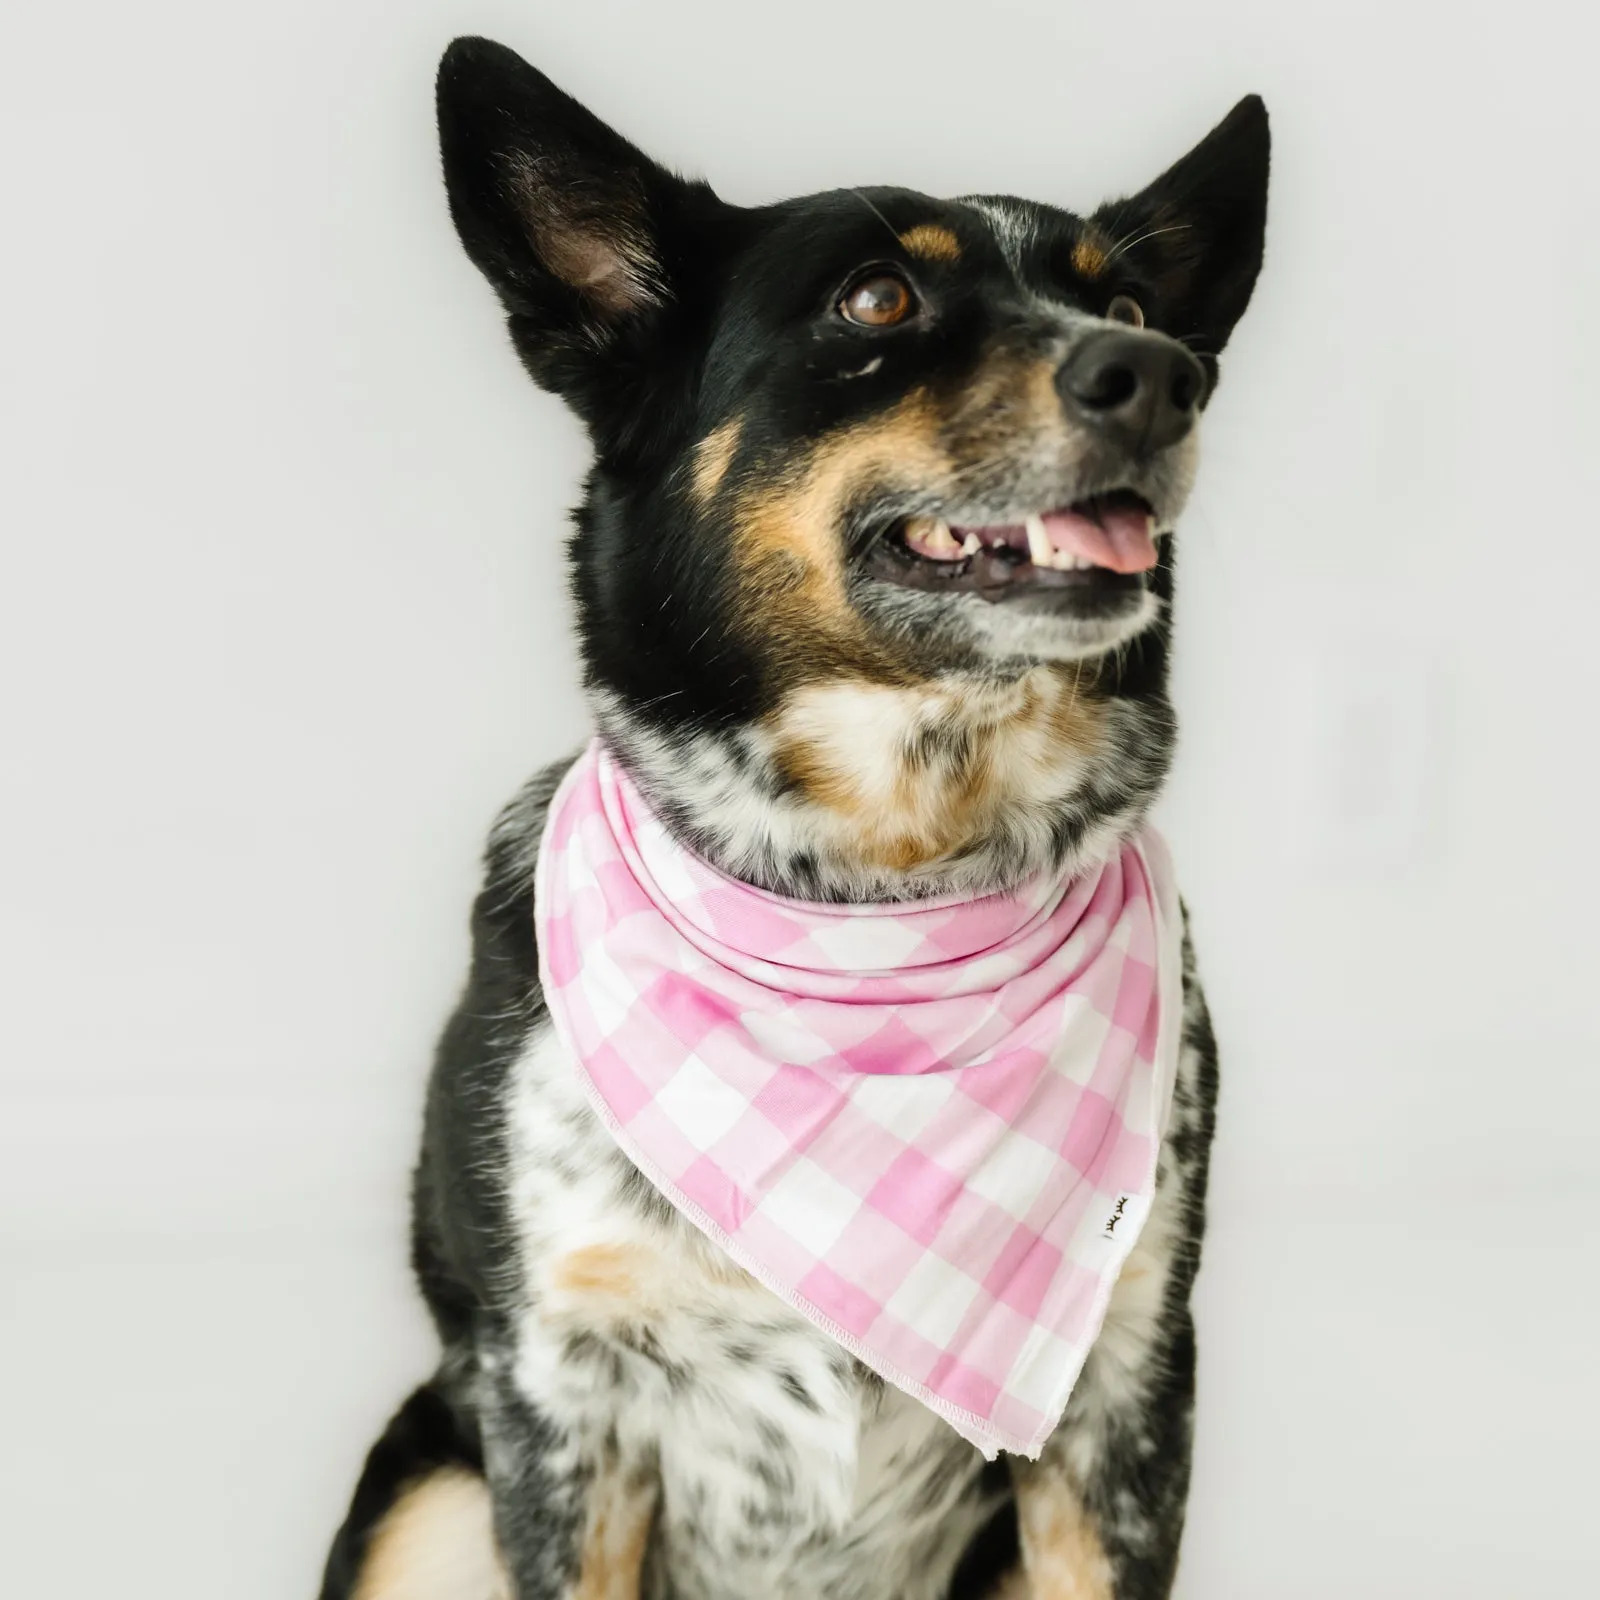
{"points": [[1119, 540]]}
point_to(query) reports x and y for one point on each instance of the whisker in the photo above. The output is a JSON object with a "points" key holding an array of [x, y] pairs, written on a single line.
{"points": [[1125, 245], [877, 213]]}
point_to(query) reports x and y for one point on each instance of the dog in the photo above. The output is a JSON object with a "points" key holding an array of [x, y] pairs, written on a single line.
{"points": [[873, 575]]}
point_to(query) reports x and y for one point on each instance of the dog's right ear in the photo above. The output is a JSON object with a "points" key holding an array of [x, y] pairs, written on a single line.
{"points": [[578, 232]]}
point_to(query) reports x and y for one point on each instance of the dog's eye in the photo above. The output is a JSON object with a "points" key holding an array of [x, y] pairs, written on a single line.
{"points": [[878, 300], [1124, 308]]}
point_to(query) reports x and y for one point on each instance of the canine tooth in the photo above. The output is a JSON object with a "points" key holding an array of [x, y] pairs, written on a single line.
{"points": [[1040, 551], [931, 537]]}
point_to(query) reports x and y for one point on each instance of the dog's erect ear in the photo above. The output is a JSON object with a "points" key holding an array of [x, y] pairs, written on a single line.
{"points": [[574, 227], [1195, 235]]}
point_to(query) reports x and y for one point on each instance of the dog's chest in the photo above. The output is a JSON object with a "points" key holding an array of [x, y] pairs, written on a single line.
{"points": [[783, 1468]]}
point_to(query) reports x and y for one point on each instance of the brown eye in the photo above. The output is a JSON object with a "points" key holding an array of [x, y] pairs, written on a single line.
{"points": [[878, 301], [1124, 308]]}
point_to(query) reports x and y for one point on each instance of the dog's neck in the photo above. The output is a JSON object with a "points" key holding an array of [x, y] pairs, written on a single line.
{"points": [[851, 791]]}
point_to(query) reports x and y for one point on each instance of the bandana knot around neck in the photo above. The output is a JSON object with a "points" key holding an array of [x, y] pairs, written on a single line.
{"points": [[931, 1128]]}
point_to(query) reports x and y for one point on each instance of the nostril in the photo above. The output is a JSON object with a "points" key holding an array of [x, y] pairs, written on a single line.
{"points": [[1185, 389], [1109, 386]]}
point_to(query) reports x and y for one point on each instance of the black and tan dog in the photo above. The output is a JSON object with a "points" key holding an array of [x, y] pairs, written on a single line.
{"points": [[822, 630]]}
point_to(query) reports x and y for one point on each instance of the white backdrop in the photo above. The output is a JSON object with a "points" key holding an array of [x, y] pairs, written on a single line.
{"points": [[281, 624]]}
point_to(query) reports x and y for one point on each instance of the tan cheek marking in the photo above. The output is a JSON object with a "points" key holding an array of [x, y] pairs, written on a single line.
{"points": [[1088, 257], [931, 241], [1061, 1551], [788, 541], [799, 515], [436, 1542], [712, 457], [621, 1511]]}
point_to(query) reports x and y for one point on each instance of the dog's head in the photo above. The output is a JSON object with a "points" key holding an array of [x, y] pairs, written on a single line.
{"points": [[867, 438]]}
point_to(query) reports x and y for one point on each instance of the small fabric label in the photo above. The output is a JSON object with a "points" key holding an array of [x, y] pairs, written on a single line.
{"points": [[1123, 1219]]}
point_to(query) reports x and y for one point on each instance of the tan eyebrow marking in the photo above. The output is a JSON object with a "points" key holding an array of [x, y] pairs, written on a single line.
{"points": [[931, 241], [1088, 258]]}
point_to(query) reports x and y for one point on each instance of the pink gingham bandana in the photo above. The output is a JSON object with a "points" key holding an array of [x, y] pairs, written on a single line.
{"points": [[931, 1127]]}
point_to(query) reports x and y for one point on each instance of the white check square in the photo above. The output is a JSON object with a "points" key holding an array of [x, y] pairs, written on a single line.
{"points": [[810, 1206], [933, 1297]]}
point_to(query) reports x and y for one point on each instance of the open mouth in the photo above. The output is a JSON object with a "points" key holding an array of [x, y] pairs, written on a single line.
{"points": [[1099, 546]]}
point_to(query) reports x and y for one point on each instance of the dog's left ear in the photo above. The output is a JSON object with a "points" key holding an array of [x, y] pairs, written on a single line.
{"points": [[581, 234], [1195, 235]]}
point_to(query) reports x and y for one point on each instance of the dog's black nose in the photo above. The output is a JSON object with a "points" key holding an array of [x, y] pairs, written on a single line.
{"points": [[1138, 387]]}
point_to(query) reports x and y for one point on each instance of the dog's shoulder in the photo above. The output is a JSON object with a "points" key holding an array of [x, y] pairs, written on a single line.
{"points": [[463, 1240]]}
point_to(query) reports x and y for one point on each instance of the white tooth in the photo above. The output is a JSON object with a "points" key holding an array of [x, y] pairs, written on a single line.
{"points": [[971, 545], [1040, 551], [930, 536], [1150, 525]]}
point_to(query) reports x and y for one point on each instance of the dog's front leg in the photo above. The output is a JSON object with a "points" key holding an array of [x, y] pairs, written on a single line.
{"points": [[1101, 1512], [1063, 1555], [572, 1520]]}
